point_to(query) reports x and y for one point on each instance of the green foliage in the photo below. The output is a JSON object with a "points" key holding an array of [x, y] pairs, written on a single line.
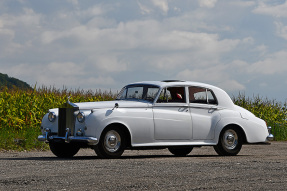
{"points": [[21, 112], [273, 112]]}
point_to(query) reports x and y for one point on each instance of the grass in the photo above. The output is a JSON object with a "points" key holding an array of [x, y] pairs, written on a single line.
{"points": [[21, 112]]}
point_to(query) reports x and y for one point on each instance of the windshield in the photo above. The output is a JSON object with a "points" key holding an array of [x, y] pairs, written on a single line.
{"points": [[138, 92]]}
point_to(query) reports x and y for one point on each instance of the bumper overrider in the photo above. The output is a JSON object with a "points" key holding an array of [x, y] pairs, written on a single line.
{"points": [[67, 138], [270, 137]]}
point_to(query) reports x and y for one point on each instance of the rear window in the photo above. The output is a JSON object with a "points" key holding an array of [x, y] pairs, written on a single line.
{"points": [[201, 95]]}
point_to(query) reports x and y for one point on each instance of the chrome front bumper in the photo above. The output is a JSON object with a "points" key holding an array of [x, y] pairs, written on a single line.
{"points": [[48, 137]]}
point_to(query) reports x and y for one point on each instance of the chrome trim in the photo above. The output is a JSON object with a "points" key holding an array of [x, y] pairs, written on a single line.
{"points": [[89, 140], [67, 135], [270, 137], [112, 141], [230, 139], [47, 134]]}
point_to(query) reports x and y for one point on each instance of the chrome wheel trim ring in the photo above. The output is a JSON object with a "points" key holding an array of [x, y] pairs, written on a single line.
{"points": [[112, 141], [230, 139]]}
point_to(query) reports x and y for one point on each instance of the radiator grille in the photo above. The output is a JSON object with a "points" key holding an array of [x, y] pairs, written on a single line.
{"points": [[67, 119]]}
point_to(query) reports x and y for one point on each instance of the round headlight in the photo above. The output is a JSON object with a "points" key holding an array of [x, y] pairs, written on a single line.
{"points": [[81, 117], [52, 116]]}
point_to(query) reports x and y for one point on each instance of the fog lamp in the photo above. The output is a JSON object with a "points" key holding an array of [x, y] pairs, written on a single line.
{"points": [[80, 132]]}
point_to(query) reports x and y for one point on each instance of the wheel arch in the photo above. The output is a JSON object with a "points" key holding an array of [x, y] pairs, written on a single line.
{"points": [[237, 127], [123, 128]]}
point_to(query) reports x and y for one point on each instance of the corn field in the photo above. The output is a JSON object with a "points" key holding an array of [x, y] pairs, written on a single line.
{"points": [[21, 112], [273, 112]]}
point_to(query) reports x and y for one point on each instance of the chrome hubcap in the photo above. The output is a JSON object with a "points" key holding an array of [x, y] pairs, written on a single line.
{"points": [[230, 139], [112, 141]]}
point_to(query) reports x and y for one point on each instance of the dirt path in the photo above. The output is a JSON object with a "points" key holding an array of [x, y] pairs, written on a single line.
{"points": [[257, 167]]}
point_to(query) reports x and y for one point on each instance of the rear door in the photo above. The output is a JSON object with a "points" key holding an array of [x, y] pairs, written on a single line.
{"points": [[204, 112], [172, 120]]}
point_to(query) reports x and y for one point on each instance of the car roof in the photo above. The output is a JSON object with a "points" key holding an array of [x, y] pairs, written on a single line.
{"points": [[166, 83], [222, 97]]}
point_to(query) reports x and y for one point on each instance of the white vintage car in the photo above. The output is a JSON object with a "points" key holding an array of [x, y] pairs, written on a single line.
{"points": [[177, 115]]}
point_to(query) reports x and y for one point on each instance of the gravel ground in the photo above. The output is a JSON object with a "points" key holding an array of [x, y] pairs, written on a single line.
{"points": [[257, 167]]}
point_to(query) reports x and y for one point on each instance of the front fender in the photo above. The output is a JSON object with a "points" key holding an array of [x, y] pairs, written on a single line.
{"points": [[138, 121]]}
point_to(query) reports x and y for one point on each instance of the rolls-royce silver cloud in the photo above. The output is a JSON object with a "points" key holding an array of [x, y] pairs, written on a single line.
{"points": [[173, 114]]}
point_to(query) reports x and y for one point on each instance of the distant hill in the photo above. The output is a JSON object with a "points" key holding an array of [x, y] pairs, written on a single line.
{"points": [[12, 83]]}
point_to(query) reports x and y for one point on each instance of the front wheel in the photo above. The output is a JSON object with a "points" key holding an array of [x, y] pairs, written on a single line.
{"points": [[230, 142], [112, 143], [180, 151], [64, 150]]}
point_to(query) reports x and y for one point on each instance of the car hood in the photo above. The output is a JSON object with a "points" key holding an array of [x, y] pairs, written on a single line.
{"points": [[110, 104]]}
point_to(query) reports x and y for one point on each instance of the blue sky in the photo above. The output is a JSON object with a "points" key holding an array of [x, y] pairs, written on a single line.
{"points": [[240, 46]]}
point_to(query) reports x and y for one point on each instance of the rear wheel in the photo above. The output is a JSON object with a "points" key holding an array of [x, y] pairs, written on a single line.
{"points": [[230, 142], [112, 143], [180, 151], [64, 150]]}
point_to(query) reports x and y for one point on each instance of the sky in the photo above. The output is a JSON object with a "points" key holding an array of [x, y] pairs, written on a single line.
{"points": [[238, 45]]}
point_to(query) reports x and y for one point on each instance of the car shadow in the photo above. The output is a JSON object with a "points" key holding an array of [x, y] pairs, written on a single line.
{"points": [[126, 157]]}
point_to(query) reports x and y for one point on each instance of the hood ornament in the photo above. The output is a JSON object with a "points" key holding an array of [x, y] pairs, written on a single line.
{"points": [[69, 97]]}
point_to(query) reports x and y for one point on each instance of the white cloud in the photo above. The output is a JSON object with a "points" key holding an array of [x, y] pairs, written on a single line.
{"points": [[273, 64], [144, 9], [28, 18], [109, 63], [232, 86], [281, 30], [242, 3], [207, 3], [7, 46], [273, 10], [215, 75], [248, 40], [161, 4], [262, 49], [59, 74], [74, 2]]}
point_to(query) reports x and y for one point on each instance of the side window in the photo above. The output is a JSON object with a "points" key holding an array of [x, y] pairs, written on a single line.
{"points": [[172, 95], [197, 95], [151, 93], [201, 95], [135, 93], [211, 98]]}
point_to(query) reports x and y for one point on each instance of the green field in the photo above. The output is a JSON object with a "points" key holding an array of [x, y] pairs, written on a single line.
{"points": [[21, 112]]}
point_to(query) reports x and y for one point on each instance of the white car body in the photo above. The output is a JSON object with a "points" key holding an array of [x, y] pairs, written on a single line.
{"points": [[153, 123]]}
